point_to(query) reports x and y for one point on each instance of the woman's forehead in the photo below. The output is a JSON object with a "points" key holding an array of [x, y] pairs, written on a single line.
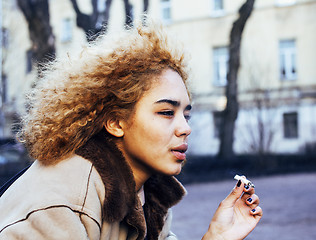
{"points": [[169, 85]]}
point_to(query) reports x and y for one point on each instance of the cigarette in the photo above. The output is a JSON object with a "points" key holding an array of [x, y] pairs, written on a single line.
{"points": [[244, 180]]}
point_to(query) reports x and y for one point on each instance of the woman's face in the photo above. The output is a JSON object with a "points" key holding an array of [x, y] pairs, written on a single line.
{"points": [[155, 138]]}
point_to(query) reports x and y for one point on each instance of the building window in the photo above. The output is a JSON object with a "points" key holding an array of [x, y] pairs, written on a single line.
{"points": [[290, 125], [66, 34], [29, 62], [220, 62], [217, 8], [5, 38], [217, 119], [287, 60], [165, 10], [101, 6], [217, 5], [3, 89], [282, 3]]}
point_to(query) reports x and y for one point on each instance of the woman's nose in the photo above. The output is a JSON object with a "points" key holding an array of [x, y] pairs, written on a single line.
{"points": [[183, 128]]}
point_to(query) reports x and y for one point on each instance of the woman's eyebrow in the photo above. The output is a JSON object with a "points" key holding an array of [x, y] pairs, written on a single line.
{"points": [[173, 103], [169, 101]]}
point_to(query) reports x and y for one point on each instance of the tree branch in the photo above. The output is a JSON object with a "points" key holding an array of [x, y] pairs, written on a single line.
{"points": [[36, 13], [128, 14]]}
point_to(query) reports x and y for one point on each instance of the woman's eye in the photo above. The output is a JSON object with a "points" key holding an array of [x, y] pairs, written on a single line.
{"points": [[166, 113]]}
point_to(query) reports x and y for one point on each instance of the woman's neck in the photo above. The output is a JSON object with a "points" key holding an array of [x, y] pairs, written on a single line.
{"points": [[140, 172]]}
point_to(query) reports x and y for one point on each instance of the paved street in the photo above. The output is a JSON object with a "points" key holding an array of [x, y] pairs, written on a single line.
{"points": [[288, 203]]}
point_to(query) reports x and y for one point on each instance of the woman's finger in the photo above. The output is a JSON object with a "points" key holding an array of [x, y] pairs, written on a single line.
{"points": [[253, 201], [249, 189], [234, 195], [256, 212]]}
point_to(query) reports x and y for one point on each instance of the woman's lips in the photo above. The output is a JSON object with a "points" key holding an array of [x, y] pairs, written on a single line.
{"points": [[179, 151], [179, 155]]}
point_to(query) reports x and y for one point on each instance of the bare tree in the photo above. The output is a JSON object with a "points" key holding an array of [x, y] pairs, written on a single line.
{"points": [[259, 133], [256, 134], [230, 113], [128, 13], [36, 13], [97, 21], [129, 17], [94, 23]]}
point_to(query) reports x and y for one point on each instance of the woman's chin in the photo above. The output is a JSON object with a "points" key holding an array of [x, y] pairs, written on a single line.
{"points": [[175, 170]]}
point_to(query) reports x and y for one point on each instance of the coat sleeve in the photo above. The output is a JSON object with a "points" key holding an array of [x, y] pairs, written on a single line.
{"points": [[166, 233], [56, 222]]}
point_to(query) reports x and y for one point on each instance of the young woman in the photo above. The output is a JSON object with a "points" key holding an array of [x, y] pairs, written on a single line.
{"points": [[108, 129]]}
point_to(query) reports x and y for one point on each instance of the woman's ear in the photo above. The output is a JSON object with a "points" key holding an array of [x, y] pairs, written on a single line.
{"points": [[114, 127]]}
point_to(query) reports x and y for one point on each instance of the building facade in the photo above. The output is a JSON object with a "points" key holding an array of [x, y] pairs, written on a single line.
{"points": [[276, 80]]}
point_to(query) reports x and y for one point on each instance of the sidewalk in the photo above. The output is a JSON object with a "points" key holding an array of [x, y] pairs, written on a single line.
{"points": [[288, 203]]}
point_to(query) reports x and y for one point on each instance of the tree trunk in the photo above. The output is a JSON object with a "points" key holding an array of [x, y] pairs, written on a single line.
{"points": [[129, 18], [36, 13], [95, 23], [230, 113]]}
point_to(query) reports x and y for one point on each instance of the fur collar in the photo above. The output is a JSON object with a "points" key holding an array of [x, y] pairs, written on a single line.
{"points": [[121, 201]]}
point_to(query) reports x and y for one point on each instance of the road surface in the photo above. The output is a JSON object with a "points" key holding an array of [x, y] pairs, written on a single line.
{"points": [[288, 203]]}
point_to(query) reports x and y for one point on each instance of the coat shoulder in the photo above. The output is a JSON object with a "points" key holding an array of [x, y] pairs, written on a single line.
{"points": [[72, 183]]}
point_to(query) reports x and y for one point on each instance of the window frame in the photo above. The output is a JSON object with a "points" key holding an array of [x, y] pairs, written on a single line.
{"points": [[101, 6], [29, 61], [287, 60], [217, 12], [4, 89], [290, 125], [5, 38], [284, 3], [165, 5], [220, 65], [217, 123], [66, 32]]}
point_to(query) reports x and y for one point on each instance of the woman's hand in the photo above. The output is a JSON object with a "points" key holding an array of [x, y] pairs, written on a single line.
{"points": [[236, 216]]}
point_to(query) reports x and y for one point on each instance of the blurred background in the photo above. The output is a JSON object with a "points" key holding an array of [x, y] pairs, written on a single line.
{"points": [[253, 82]]}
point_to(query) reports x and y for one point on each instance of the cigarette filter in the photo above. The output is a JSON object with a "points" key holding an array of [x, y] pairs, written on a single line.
{"points": [[244, 180]]}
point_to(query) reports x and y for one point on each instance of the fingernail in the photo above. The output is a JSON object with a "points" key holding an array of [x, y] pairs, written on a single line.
{"points": [[253, 210], [247, 187], [238, 183], [249, 200]]}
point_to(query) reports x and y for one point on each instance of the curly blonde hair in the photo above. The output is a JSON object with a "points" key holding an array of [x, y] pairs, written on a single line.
{"points": [[78, 94]]}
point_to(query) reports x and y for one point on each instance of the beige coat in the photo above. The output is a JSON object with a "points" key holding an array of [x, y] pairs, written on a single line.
{"points": [[79, 198]]}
